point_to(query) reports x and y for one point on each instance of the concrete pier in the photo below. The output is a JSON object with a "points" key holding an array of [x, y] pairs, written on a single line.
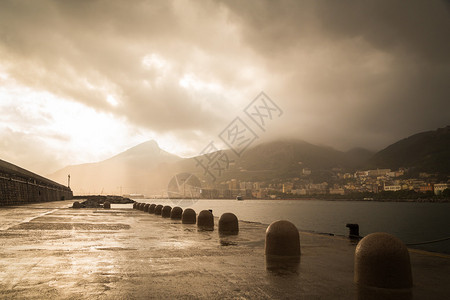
{"points": [[52, 251]]}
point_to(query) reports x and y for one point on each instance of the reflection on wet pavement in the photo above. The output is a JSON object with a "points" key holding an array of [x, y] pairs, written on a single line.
{"points": [[53, 251]]}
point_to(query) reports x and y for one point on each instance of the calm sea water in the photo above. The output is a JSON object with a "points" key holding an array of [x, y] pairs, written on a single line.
{"points": [[409, 221]]}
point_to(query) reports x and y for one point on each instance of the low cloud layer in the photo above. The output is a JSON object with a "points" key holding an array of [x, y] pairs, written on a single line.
{"points": [[352, 73]]}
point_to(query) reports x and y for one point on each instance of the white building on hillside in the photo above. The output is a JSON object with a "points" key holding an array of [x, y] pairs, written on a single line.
{"points": [[439, 188], [392, 188]]}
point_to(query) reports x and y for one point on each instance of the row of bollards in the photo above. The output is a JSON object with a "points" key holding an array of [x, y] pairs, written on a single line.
{"points": [[228, 222], [381, 259]]}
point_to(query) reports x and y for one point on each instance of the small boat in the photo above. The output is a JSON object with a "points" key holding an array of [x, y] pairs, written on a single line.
{"points": [[239, 198]]}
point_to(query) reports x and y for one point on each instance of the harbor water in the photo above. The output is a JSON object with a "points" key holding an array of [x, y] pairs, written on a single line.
{"points": [[416, 224]]}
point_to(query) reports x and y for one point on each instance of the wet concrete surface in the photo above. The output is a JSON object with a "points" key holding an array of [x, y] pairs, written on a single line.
{"points": [[51, 251]]}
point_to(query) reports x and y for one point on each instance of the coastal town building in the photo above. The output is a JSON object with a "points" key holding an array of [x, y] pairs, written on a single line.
{"points": [[392, 188], [378, 172], [338, 182], [306, 171], [337, 191], [426, 188], [439, 188]]}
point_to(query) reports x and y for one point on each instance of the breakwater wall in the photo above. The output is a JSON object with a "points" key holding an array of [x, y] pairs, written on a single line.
{"points": [[20, 186]]}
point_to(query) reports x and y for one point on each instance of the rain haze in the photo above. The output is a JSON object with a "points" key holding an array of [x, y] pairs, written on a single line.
{"points": [[81, 81], [224, 149]]}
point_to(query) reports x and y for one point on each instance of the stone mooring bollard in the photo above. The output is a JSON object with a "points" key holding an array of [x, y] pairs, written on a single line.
{"points": [[106, 205], [146, 206], [141, 206], [134, 205], [282, 239], [151, 208], [76, 204], [228, 224], [158, 209], [188, 216], [165, 212], [205, 220], [176, 213], [382, 261]]}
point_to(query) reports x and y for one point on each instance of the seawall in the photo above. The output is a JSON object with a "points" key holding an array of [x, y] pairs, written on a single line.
{"points": [[20, 186]]}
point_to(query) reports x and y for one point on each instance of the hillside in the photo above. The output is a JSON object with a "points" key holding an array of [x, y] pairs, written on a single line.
{"points": [[147, 169], [282, 159], [287, 158], [423, 152]]}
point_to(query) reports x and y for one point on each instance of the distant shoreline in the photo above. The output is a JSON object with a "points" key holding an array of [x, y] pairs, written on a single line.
{"points": [[349, 199], [376, 200], [422, 200]]}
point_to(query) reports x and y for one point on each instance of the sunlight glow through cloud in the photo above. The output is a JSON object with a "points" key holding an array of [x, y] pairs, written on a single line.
{"points": [[112, 100], [63, 127], [154, 61], [190, 81], [69, 130]]}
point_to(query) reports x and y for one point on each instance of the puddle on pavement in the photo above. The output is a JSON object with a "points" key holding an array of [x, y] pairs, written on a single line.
{"points": [[115, 249], [70, 226], [227, 243]]}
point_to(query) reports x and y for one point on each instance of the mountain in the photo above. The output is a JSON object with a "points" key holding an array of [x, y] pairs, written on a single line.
{"points": [[423, 152], [357, 157], [287, 158], [282, 159], [147, 154], [286, 153], [142, 169], [148, 169]]}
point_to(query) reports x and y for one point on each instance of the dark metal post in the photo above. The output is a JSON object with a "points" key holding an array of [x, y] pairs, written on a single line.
{"points": [[354, 230]]}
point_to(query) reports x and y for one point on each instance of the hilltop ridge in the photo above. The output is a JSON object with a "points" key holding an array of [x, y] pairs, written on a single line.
{"points": [[427, 151]]}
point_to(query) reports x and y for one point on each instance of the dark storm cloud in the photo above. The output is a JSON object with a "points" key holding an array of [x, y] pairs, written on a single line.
{"points": [[369, 72], [346, 73], [419, 28]]}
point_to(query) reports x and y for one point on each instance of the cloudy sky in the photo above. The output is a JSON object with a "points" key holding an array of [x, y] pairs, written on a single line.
{"points": [[83, 80]]}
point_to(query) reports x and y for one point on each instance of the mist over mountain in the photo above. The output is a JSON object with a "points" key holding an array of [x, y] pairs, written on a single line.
{"points": [[148, 169], [138, 169], [287, 158], [358, 157]]}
